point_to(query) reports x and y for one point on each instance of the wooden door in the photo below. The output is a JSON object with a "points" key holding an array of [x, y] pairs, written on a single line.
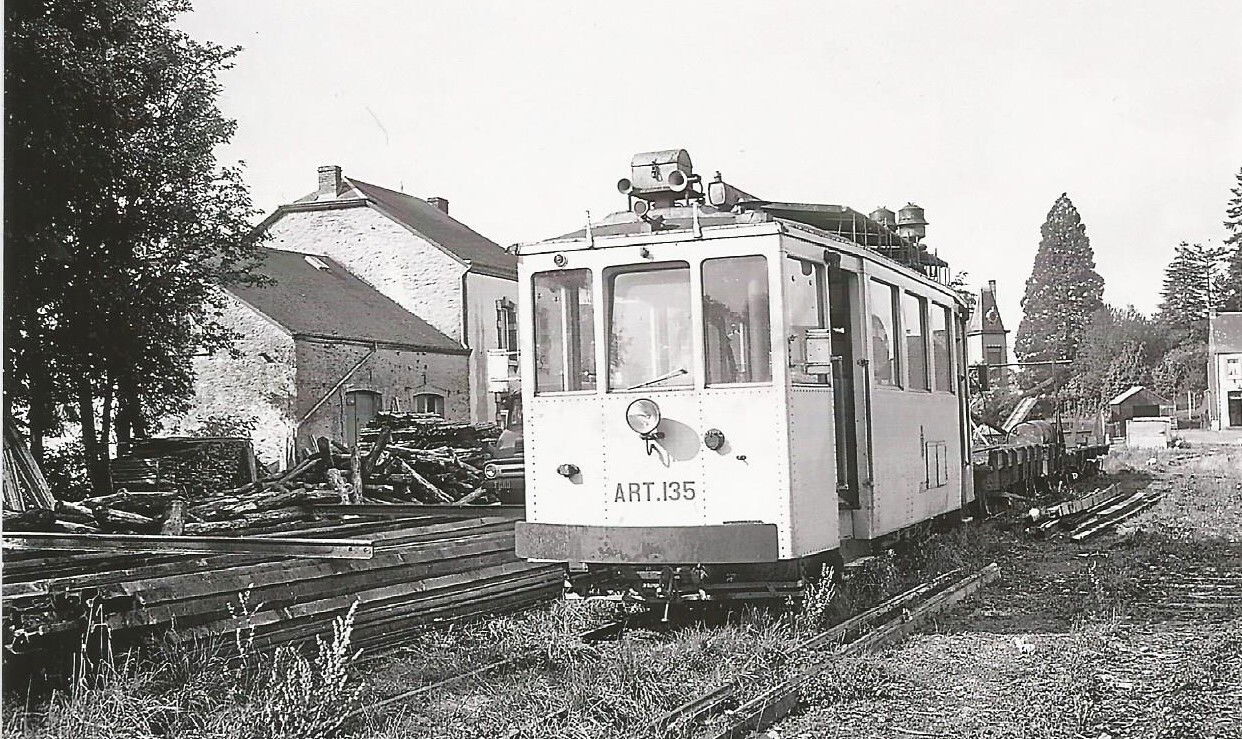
{"points": [[360, 408]]}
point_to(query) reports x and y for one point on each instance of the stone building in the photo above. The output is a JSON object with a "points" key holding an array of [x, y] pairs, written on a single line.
{"points": [[320, 352], [987, 340], [411, 250], [1224, 398]]}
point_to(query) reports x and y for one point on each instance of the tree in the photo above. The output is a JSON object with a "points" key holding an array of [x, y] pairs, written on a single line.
{"points": [[1191, 286], [960, 285], [1118, 349], [1061, 293], [120, 227], [1182, 370], [1231, 282]]}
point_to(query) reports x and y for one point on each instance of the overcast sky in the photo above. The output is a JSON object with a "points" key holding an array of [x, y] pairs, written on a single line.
{"points": [[524, 114]]}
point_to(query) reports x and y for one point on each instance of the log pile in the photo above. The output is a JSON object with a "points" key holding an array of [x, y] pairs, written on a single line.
{"points": [[420, 457], [423, 569], [400, 458]]}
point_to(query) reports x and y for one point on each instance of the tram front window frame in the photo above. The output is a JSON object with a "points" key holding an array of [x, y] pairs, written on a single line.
{"points": [[564, 331], [649, 327], [737, 320]]}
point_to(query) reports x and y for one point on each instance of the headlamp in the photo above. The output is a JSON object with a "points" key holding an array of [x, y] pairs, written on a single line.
{"points": [[643, 415]]}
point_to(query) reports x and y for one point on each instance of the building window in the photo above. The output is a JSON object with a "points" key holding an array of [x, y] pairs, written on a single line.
{"points": [[884, 363], [914, 323], [804, 294], [429, 403], [994, 355], [737, 332], [1233, 367], [506, 325], [649, 329], [564, 323], [941, 356]]}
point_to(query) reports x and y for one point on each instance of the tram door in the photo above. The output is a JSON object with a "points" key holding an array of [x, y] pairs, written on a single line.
{"points": [[841, 287]]}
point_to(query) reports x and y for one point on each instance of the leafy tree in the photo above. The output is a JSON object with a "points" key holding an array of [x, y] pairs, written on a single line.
{"points": [[1061, 293], [1231, 282], [1191, 286], [1118, 349], [961, 286], [120, 227], [1183, 369]]}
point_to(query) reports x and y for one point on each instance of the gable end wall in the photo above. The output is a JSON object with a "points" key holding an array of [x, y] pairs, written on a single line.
{"points": [[408, 269]]}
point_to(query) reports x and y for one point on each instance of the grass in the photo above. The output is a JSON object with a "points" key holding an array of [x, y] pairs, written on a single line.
{"points": [[1069, 642], [198, 690]]}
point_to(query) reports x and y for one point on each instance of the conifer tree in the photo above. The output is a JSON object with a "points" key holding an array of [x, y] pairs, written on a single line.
{"points": [[1191, 285], [1231, 281], [1062, 293]]}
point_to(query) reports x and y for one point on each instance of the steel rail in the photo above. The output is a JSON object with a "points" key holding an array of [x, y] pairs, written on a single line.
{"points": [[602, 632], [713, 702], [283, 547], [1115, 514], [414, 510], [777, 701]]}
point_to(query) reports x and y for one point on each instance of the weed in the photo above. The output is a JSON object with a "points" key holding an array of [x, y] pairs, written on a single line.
{"points": [[310, 699], [817, 608]]}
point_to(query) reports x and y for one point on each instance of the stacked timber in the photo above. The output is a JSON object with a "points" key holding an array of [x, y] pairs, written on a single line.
{"points": [[421, 570], [420, 457], [28, 500], [400, 458]]}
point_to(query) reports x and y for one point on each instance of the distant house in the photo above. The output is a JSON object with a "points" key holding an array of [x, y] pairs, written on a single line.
{"points": [[1136, 402], [1224, 399], [411, 250], [987, 339], [320, 352]]}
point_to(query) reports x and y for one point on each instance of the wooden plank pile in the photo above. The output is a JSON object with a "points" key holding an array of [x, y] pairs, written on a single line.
{"points": [[28, 500], [1091, 514], [422, 570]]}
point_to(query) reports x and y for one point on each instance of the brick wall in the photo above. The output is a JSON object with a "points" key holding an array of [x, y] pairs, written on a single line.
{"points": [[257, 385], [409, 270], [393, 373]]}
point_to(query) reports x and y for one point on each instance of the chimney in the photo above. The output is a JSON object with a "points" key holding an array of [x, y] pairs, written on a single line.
{"points": [[992, 286], [329, 182], [439, 203]]}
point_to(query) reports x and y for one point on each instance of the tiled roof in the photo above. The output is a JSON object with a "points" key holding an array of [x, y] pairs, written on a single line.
{"points": [[428, 221], [329, 301]]}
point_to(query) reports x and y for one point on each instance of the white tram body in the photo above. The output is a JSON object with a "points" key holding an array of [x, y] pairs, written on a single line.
{"points": [[717, 395]]}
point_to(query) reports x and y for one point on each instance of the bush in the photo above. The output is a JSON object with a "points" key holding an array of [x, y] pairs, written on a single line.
{"points": [[64, 466]]}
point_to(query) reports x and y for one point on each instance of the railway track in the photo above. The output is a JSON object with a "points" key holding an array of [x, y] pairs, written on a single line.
{"points": [[1090, 515], [870, 630], [600, 633]]}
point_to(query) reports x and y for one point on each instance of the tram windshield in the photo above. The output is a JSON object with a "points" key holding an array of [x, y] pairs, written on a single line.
{"points": [[649, 328], [564, 331]]}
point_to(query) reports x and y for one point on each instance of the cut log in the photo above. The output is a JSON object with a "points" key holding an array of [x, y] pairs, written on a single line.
{"points": [[355, 474], [174, 522]]}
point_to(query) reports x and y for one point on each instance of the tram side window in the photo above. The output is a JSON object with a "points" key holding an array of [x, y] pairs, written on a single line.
{"points": [[941, 356], [804, 294], [650, 342], [737, 331], [564, 318], [914, 322], [883, 300]]}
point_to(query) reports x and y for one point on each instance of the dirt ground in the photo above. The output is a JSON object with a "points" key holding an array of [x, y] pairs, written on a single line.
{"points": [[1137, 633]]}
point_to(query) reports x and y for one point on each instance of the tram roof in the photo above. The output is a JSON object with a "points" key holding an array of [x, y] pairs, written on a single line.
{"points": [[840, 220]]}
